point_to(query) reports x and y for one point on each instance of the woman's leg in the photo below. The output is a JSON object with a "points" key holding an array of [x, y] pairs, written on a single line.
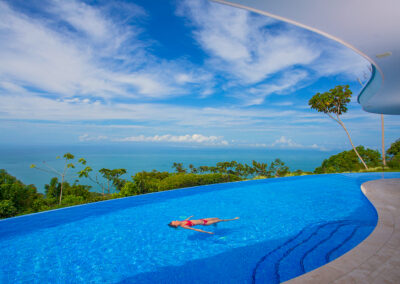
{"points": [[211, 221]]}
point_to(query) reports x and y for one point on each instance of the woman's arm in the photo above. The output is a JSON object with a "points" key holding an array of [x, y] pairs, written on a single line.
{"points": [[188, 218], [198, 230]]}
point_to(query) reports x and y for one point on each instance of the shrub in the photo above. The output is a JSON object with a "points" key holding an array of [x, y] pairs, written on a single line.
{"points": [[7, 209], [69, 200], [22, 196], [129, 189], [347, 161], [188, 180], [394, 155]]}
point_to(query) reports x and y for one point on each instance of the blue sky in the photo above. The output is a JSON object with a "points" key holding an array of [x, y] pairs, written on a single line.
{"points": [[172, 72]]}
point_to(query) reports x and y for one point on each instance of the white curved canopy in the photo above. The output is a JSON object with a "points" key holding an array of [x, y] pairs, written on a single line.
{"points": [[371, 28]]}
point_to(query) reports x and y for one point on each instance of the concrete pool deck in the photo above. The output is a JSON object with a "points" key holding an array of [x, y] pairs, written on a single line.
{"points": [[377, 258]]}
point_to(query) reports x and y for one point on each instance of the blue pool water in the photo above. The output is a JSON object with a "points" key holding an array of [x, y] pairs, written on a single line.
{"points": [[288, 226]]}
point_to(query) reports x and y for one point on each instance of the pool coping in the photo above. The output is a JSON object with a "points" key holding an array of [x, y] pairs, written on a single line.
{"points": [[377, 258]]}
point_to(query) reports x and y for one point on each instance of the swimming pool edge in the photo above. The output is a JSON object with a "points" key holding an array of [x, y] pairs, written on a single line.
{"points": [[377, 258]]}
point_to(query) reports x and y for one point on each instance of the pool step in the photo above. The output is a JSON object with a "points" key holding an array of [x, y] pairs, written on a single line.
{"points": [[312, 247], [316, 256]]}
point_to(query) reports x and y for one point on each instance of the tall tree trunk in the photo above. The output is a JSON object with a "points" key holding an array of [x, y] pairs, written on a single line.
{"points": [[351, 142], [61, 189], [383, 142]]}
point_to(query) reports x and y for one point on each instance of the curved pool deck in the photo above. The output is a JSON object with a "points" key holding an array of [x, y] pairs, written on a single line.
{"points": [[377, 258]]}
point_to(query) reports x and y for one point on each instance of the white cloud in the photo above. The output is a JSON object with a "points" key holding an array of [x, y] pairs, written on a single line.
{"points": [[168, 138], [336, 59], [99, 57], [285, 142], [89, 68], [86, 138], [84, 18], [256, 95], [241, 45], [284, 104]]}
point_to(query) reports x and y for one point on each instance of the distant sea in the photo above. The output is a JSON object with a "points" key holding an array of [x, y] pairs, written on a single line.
{"points": [[16, 160]]}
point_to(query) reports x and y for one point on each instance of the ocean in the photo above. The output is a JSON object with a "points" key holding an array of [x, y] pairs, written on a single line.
{"points": [[16, 159]]}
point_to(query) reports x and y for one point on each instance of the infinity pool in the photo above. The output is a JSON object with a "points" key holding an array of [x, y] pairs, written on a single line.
{"points": [[287, 226]]}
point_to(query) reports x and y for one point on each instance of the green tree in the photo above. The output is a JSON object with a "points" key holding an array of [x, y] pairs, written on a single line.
{"points": [[248, 170], [70, 200], [179, 168], [129, 188], [394, 154], [240, 170], [52, 190], [278, 169], [192, 168], [204, 169], [226, 168], [188, 180], [7, 209], [113, 176], [86, 172], [347, 161], [16, 195], [334, 103], [260, 169], [67, 165], [148, 181]]}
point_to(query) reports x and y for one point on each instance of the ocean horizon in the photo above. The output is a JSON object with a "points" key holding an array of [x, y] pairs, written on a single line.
{"points": [[16, 159]]}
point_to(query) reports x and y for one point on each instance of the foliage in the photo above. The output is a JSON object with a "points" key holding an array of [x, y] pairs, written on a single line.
{"points": [[21, 196], [145, 182], [299, 173], [70, 200], [62, 174], [7, 209], [393, 154], [113, 176], [77, 190], [148, 181], [179, 168], [52, 190], [335, 103], [260, 169], [17, 198], [188, 180], [278, 169], [347, 161], [129, 188], [193, 170]]}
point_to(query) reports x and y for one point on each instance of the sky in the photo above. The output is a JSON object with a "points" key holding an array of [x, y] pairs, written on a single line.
{"points": [[172, 72]]}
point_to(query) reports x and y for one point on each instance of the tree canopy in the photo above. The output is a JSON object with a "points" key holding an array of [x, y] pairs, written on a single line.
{"points": [[393, 154], [347, 161], [334, 103]]}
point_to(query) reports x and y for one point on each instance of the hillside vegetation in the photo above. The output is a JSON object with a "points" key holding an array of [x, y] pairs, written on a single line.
{"points": [[17, 198]]}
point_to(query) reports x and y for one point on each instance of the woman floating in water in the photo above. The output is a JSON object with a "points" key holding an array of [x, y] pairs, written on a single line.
{"points": [[188, 224]]}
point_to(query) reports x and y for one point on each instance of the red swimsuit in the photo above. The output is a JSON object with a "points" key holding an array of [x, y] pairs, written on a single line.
{"points": [[190, 223]]}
